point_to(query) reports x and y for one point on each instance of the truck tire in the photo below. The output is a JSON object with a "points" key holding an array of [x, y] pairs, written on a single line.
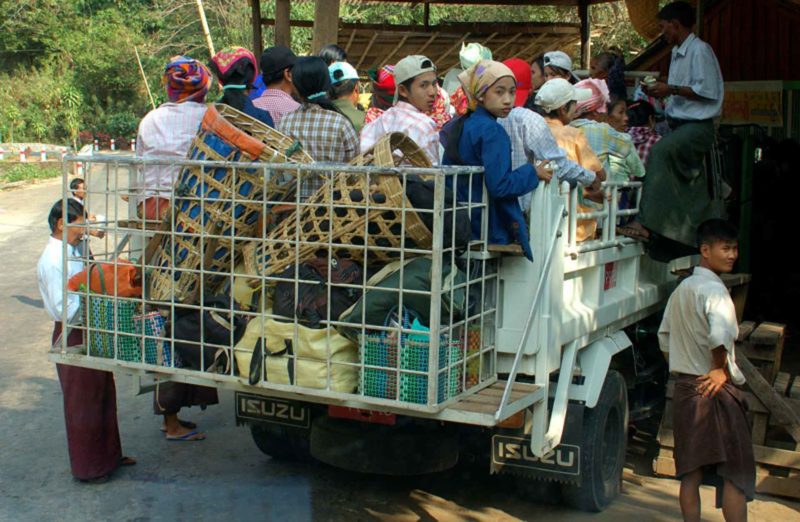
{"points": [[281, 442], [603, 442]]}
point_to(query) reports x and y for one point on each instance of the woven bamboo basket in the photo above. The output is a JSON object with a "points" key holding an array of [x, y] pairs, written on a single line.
{"points": [[216, 201], [339, 214]]}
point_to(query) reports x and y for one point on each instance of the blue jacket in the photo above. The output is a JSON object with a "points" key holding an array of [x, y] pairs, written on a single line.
{"points": [[259, 114], [484, 143]]}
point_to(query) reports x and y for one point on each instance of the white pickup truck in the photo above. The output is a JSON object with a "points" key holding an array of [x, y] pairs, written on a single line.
{"points": [[539, 356]]}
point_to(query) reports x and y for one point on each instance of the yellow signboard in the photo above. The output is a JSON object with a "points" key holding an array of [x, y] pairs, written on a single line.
{"points": [[757, 103]]}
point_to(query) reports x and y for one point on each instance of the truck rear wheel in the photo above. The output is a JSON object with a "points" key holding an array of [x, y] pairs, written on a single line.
{"points": [[282, 442], [603, 444]]}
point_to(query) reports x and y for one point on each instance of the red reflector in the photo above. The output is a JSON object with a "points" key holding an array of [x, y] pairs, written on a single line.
{"points": [[374, 417]]}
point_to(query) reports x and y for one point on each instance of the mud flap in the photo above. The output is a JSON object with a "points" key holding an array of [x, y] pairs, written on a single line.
{"points": [[511, 452]]}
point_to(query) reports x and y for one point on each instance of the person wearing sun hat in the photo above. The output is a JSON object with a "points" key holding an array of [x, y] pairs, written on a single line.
{"points": [[344, 92], [415, 94]]}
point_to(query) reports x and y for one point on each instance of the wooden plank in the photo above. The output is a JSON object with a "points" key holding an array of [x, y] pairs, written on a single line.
{"points": [[389, 57], [768, 333], [777, 457], [283, 27], [777, 405], [421, 50], [452, 48], [760, 424], [779, 486], [369, 46], [350, 40], [781, 383], [794, 390], [745, 329], [326, 24], [756, 353], [664, 466]]}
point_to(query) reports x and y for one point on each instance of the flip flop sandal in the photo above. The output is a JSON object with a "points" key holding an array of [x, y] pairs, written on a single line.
{"points": [[127, 461], [192, 436], [633, 233], [96, 480], [186, 424]]}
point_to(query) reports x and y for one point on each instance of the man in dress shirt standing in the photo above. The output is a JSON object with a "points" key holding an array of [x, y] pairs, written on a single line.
{"points": [[675, 198], [90, 397], [698, 332]]}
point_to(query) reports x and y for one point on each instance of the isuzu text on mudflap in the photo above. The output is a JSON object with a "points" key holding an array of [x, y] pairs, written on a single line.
{"points": [[532, 360]]}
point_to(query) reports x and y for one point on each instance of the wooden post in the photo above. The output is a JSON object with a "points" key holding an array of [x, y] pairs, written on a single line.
{"points": [[283, 26], [258, 39], [586, 42], [204, 24], [427, 14], [698, 25], [326, 24]]}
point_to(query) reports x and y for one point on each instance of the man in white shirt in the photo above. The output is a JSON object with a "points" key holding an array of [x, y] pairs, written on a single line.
{"points": [[90, 399], [415, 94], [710, 424], [675, 197]]}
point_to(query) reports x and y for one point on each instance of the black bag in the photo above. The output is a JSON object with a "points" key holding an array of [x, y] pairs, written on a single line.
{"points": [[312, 295], [215, 333], [420, 194]]}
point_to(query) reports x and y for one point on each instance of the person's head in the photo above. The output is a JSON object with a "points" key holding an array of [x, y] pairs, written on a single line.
{"points": [[641, 114], [78, 188], [618, 114], [236, 69], [558, 98], [676, 21], [718, 241], [491, 85], [472, 53], [522, 74], [537, 72], [383, 87], [596, 106], [332, 53], [558, 65], [276, 66], [312, 81], [186, 79], [415, 77], [344, 81], [75, 219]]}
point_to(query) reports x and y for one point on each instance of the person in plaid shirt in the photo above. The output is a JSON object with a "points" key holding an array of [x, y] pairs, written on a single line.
{"points": [[642, 123], [276, 66], [325, 133], [415, 94]]}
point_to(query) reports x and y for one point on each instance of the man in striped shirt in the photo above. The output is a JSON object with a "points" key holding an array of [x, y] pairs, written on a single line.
{"points": [[415, 94]]}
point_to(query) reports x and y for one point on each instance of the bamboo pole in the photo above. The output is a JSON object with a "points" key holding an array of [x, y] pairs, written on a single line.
{"points": [[146, 84], [204, 23]]}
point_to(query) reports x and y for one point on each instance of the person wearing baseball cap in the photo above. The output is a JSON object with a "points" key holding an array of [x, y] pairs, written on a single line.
{"points": [[556, 102], [416, 88], [276, 70], [344, 92], [558, 65]]}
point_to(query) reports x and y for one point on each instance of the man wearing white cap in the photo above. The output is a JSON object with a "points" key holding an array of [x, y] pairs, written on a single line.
{"points": [[344, 92], [415, 94], [558, 65]]}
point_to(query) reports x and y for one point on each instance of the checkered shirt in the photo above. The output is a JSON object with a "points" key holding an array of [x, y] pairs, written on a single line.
{"points": [[326, 136], [644, 138], [165, 132], [405, 118], [277, 102], [615, 149]]}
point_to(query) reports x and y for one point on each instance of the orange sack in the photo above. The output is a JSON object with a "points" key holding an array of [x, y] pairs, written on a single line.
{"points": [[103, 277]]}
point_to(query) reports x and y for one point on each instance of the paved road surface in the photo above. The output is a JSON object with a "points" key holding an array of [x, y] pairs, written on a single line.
{"points": [[224, 477]]}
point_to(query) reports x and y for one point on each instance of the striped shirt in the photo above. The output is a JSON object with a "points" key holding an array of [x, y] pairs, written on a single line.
{"points": [[326, 136], [614, 149], [167, 131], [405, 118], [277, 102]]}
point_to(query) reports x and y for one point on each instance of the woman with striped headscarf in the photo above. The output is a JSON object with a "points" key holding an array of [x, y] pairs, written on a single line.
{"points": [[236, 68]]}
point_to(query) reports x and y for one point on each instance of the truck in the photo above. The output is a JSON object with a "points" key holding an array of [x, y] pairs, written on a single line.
{"points": [[530, 367]]}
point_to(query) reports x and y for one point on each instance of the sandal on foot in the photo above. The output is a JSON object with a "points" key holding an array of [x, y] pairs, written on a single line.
{"points": [[634, 232], [192, 436], [186, 424], [127, 461], [96, 480]]}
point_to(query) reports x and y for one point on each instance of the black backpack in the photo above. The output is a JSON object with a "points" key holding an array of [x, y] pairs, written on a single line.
{"points": [[312, 293], [420, 194]]}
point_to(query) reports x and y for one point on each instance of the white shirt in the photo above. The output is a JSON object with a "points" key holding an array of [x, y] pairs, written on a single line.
{"points": [[700, 317], [51, 283], [532, 140], [404, 117], [166, 132], [694, 65]]}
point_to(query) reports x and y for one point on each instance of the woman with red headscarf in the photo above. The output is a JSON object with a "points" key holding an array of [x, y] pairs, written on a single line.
{"points": [[236, 68], [383, 88]]}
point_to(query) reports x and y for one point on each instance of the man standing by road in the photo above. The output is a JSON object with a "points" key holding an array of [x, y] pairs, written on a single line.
{"points": [[675, 197], [711, 430]]}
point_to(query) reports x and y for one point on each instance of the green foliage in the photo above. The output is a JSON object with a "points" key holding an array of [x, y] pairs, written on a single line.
{"points": [[28, 171]]}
